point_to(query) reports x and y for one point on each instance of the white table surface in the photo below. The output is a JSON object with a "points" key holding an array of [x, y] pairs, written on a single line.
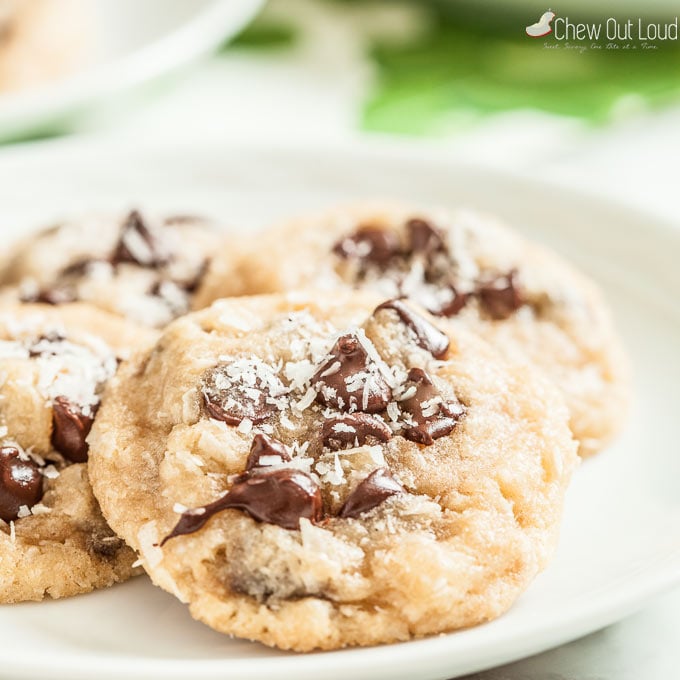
{"points": [[313, 92]]}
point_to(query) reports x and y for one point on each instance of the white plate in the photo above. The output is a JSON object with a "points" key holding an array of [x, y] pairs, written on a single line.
{"points": [[621, 539], [136, 42]]}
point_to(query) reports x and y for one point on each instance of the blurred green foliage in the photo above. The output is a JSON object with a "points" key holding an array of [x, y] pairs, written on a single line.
{"points": [[468, 63], [264, 33]]}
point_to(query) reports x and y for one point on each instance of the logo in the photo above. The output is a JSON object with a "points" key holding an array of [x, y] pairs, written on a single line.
{"points": [[619, 33], [542, 26]]}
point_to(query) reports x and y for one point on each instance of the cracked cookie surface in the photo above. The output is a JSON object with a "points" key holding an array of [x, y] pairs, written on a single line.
{"points": [[54, 365], [137, 266], [315, 473], [467, 269]]}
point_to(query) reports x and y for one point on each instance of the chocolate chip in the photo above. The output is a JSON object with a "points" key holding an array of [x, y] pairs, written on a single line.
{"points": [[429, 337], [370, 244], [233, 399], [20, 483], [453, 306], [431, 416], [424, 238], [373, 491], [79, 267], [70, 427], [47, 344], [137, 244], [55, 295], [265, 446], [191, 285], [501, 297], [282, 497], [349, 380], [352, 430]]}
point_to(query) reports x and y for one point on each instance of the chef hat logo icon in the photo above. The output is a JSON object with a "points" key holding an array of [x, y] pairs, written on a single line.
{"points": [[542, 26]]}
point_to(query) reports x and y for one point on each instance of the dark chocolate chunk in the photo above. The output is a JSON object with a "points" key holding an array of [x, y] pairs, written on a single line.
{"points": [[370, 493], [452, 306], [55, 295], [191, 285], [20, 483], [429, 337], [349, 380], [501, 297], [430, 420], [371, 244], [47, 344], [424, 238], [232, 400], [70, 427], [282, 497], [137, 244], [352, 430], [79, 267], [265, 446]]}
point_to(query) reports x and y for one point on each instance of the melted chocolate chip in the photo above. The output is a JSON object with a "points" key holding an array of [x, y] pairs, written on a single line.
{"points": [[47, 344], [282, 497], [80, 267], [70, 427], [137, 244], [424, 238], [429, 337], [55, 295], [20, 483], [454, 305], [370, 244], [372, 492], [191, 285], [349, 380], [501, 297], [352, 430], [431, 419], [265, 446], [232, 400]]}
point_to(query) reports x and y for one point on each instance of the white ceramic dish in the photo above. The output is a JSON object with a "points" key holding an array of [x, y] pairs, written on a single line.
{"points": [[621, 538], [133, 43]]}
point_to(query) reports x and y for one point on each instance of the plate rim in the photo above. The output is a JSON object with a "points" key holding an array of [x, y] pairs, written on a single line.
{"points": [[402, 657], [42, 105]]}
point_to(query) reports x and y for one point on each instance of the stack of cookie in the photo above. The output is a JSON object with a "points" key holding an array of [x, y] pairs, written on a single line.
{"points": [[362, 433]]}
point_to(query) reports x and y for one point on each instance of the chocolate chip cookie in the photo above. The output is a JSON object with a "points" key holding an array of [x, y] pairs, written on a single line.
{"points": [[142, 268], [469, 270], [315, 472], [54, 364]]}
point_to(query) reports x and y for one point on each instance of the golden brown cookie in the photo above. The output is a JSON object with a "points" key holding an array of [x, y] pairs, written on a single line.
{"points": [[143, 268], [316, 472], [465, 268], [54, 365]]}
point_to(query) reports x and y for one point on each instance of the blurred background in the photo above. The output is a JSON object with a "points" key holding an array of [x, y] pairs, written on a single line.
{"points": [[457, 78], [462, 78]]}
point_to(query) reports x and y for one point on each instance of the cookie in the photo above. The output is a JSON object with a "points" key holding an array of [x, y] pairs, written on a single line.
{"points": [[41, 40], [468, 269], [315, 472], [54, 364], [144, 269]]}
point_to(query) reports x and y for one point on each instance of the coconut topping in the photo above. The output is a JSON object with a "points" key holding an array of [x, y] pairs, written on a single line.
{"points": [[429, 269], [161, 295], [343, 401], [71, 377]]}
